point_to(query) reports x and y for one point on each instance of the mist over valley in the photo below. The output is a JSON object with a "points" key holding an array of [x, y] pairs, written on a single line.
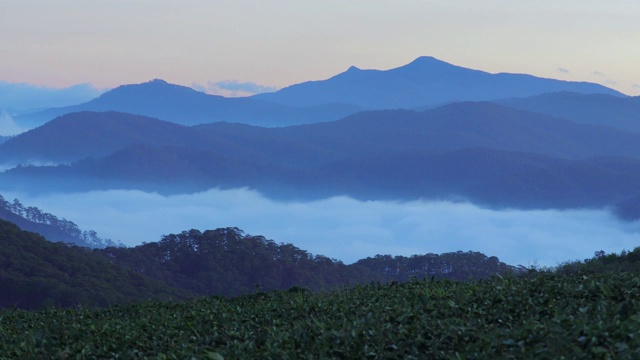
{"points": [[347, 229]]}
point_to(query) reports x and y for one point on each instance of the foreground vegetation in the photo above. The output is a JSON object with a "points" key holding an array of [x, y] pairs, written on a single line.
{"points": [[540, 315], [582, 309]]}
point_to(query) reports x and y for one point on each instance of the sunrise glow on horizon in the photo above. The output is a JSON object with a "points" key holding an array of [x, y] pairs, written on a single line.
{"points": [[274, 44]]}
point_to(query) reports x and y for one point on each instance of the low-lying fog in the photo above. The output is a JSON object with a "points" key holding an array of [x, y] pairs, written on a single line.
{"points": [[347, 229]]}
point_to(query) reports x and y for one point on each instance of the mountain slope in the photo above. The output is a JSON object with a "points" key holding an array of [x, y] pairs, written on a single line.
{"points": [[90, 134], [425, 81], [226, 261], [598, 109], [456, 126], [37, 273], [31, 218], [488, 177], [482, 152], [447, 128], [183, 105]]}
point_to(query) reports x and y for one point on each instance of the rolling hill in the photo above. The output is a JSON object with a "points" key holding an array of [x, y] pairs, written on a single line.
{"points": [[451, 127], [598, 109], [89, 134], [425, 81], [481, 152]]}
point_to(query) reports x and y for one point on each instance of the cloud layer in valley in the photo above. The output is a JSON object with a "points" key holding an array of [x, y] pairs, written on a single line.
{"points": [[347, 229]]}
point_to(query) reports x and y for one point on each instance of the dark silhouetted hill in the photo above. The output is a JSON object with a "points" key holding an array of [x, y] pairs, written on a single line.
{"points": [[425, 81], [488, 177], [90, 134], [598, 109], [37, 273], [183, 105], [629, 209], [226, 261]]}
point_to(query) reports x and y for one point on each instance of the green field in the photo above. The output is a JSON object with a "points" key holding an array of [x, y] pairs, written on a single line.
{"points": [[542, 315]]}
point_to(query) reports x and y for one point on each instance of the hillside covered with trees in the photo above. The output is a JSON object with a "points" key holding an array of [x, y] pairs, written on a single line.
{"points": [[36, 273], [227, 261], [33, 219]]}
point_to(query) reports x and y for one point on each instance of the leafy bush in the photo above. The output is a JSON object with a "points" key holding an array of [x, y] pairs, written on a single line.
{"points": [[548, 315]]}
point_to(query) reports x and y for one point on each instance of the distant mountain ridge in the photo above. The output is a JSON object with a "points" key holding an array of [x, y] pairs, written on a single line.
{"points": [[597, 109], [183, 105], [424, 81], [457, 126]]}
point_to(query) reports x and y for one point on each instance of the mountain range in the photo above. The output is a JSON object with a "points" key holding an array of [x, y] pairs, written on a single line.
{"points": [[540, 143], [425, 82], [451, 127], [480, 152], [427, 130], [597, 109], [183, 105]]}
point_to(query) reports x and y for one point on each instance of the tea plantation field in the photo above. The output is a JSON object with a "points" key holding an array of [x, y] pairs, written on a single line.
{"points": [[540, 316]]}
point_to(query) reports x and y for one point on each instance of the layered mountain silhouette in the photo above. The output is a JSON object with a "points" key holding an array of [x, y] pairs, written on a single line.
{"points": [[423, 82], [183, 105], [451, 127], [547, 143], [599, 109], [481, 152]]}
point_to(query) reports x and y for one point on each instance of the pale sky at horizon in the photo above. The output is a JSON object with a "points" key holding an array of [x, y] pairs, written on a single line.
{"points": [[276, 43]]}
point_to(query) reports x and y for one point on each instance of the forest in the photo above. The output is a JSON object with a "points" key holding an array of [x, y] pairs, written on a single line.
{"points": [[226, 262], [50, 226]]}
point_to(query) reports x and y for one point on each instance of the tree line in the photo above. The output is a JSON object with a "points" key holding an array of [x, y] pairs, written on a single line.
{"points": [[34, 214]]}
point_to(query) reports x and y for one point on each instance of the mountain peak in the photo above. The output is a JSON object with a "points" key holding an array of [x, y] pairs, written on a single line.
{"points": [[156, 82], [425, 60], [428, 62]]}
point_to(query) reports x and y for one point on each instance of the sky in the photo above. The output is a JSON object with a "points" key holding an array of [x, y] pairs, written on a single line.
{"points": [[236, 47]]}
